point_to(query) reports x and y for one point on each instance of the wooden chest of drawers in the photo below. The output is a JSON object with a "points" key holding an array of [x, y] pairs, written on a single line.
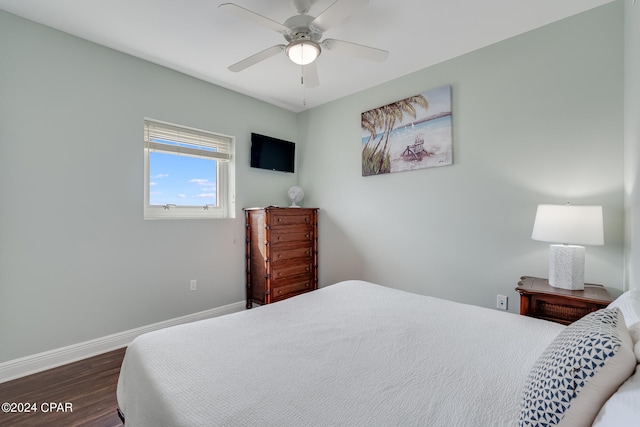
{"points": [[282, 253]]}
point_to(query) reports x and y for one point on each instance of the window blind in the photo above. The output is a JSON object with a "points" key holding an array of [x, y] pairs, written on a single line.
{"points": [[157, 132]]}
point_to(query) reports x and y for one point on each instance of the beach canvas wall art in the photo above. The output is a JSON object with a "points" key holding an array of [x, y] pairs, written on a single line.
{"points": [[413, 133]]}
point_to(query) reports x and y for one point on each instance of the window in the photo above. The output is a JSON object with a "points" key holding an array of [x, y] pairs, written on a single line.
{"points": [[188, 172]]}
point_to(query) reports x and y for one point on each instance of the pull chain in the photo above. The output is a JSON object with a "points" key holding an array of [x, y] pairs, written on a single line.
{"points": [[304, 87]]}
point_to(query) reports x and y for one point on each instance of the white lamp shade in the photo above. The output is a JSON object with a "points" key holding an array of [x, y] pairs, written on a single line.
{"points": [[569, 224], [303, 52]]}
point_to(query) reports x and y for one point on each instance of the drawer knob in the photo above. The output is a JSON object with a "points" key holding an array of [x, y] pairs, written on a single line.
{"points": [[306, 220], [306, 269], [306, 236], [306, 285], [279, 219]]}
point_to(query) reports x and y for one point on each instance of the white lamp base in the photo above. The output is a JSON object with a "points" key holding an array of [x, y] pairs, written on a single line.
{"points": [[566, 267]]}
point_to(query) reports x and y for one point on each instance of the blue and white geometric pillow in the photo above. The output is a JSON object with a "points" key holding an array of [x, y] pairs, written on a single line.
{"points": [[578, 372]]}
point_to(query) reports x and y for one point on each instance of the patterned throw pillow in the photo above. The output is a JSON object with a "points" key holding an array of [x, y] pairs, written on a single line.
{"points": [[578, 372]]}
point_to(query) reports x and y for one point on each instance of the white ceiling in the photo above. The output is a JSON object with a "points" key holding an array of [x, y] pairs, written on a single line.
{"points": [[198, 39]]}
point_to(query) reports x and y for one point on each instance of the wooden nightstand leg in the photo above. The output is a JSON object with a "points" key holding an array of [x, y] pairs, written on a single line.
{"points": [[525, 303]]}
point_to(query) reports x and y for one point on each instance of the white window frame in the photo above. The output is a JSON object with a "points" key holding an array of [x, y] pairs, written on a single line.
{"points": [[225, 181]]}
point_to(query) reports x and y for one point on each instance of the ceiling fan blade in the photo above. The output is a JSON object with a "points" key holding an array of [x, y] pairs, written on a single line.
{"points": [[355, 49], [254, 59], [335, 13], [256, 18], [310, 75]]}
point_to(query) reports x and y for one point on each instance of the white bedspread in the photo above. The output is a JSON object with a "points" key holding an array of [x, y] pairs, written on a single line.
{"points": [[351, 354]]}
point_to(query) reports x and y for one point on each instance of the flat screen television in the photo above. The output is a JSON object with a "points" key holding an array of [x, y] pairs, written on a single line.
{"points": [[272, 153]]}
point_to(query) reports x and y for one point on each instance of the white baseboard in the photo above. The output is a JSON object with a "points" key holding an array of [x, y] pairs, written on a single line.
{"points": [[23, 366]]}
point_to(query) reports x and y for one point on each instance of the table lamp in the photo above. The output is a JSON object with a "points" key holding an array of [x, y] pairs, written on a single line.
{"points": [[568, 226]]}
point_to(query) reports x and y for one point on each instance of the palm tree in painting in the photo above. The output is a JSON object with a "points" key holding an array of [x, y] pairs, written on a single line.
{"points": [[375, 160], [371, 121]]}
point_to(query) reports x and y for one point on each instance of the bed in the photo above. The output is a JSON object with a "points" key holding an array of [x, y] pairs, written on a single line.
{"points": [[356, 354]]}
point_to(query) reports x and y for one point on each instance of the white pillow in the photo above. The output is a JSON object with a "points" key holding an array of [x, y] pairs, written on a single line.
{"points": [[581, 368], [634, 332], [629, 303], [622, 409]]}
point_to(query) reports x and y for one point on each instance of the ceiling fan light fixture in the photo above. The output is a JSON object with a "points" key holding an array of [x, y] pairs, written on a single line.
{"points": [[303, 52]]}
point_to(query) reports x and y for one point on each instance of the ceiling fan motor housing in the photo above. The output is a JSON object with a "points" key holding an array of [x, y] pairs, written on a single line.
{"points": [[300, 29]]}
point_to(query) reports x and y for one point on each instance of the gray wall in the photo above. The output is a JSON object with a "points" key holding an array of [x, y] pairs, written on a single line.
{"points": [[537, 119], [77, 260], [632, 141]]}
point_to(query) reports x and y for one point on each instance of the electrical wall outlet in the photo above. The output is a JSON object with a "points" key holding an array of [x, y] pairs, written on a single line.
{"points": [[194, 284], [502, 302]]}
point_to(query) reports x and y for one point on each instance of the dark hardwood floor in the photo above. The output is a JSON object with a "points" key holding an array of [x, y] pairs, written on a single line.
{"points": [[82, 393]]}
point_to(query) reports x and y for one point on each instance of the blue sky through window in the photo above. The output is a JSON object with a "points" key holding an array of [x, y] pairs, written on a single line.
{"points": [[181, 180]]}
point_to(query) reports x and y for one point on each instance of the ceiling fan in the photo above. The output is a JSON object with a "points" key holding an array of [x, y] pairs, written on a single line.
{"points": [[303, 33]]}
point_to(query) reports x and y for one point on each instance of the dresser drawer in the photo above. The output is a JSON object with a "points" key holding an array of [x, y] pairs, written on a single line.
{"points": [[286, 218], [288, 235], [292, 287], [289, 270], [291, 253]]}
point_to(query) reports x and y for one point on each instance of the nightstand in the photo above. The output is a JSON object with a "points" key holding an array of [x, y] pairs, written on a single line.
{"points": [[541, 300]]}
